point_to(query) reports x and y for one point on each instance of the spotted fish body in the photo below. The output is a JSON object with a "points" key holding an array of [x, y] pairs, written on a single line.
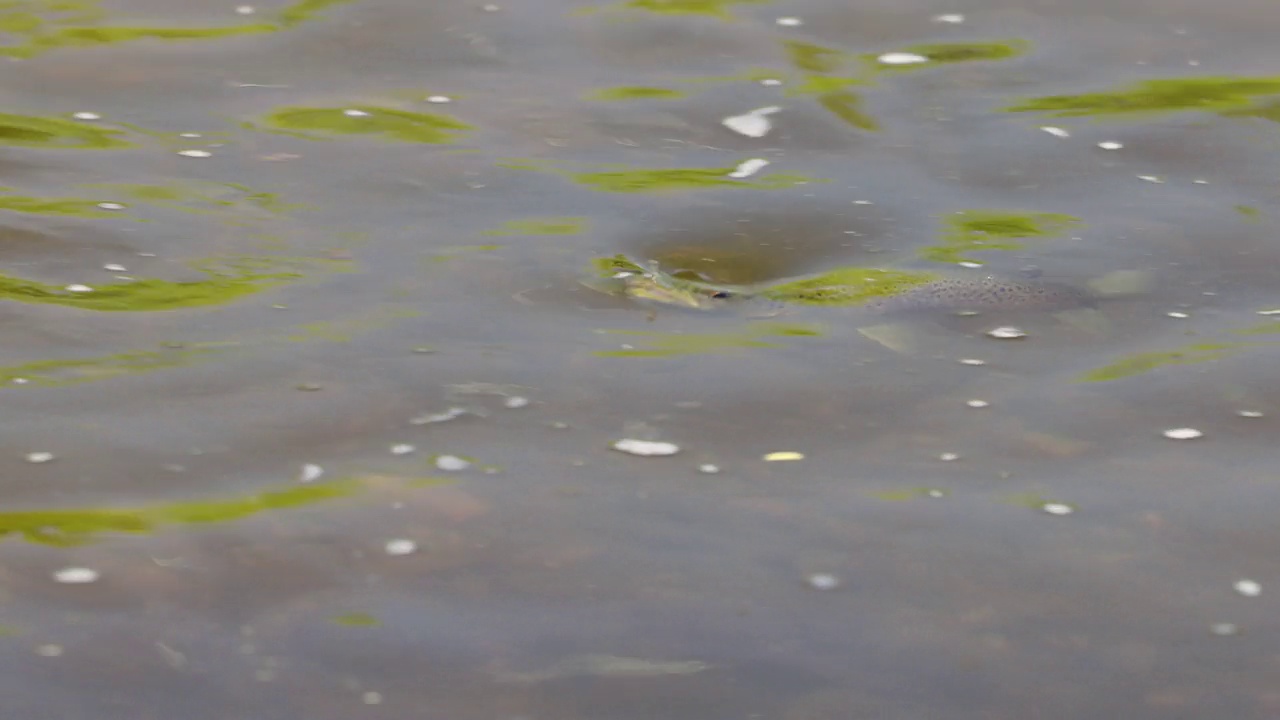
{"points": [[987, 293]]}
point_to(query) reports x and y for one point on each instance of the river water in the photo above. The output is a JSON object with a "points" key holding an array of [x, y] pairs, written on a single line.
{"points": [[309, 415]]}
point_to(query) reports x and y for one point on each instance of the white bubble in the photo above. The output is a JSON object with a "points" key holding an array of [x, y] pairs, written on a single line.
{"points": [[953, 18], [754, 123], [1057, 508], [789, 21], [771, 82], [77, 288], [246, 10], [402, 449], [114, 267], [970, 264], [49, 650], [515, 402], [1006, 333], [310, 473], [1250, 413], [452, 463], [355, 113], [1248, 588], [948, 456], [1176, 314], [1224, 628], [646, 448], [977, 403], [1110, 145], [902, 58], [39, 457], [747, 168], [1151, 179], [1183, 433], [972, 361], [823, 581], [86, 116], [401, 546], [439, 99], [195, 153], [708, 468], [76, 575], [190, 135], [1055, 131]]}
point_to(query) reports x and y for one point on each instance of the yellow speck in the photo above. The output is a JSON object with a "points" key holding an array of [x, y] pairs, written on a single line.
{"points": [[783, 455]]}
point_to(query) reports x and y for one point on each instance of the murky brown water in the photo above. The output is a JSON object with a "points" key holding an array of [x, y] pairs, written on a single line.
{"points": [[307, 413]]}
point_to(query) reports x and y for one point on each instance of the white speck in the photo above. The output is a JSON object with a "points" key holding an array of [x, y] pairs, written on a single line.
{"points": [[310, 473], [355, 113], [113, 267], [970, 264], [20, 381], [1200, 181], [646, 448], [1224, 628], [78, 288], [195, 153], [972, 361], [402, 449], [39, 457], [747, 168], [146, 254], [1151, 179], [372, 698], [1110, 145], [447, 415], [400, 547], [977, 403], [439, 99], [771, 82], [190, 135], [783, 456], [452, 463], [110, 206], [86, 116], [76, 575], [1006, 333], [902, 58], [862, 202], [708, 469], [1193, 63], [789, 21], [49, 650], [948, 456], [935, 493], [1057, 508], [754, 124], [823, 581], [490, 8], [1183, 434], [246, 10], [953, 18], [1269, 312], [1055, 131], [1176, 314], [1250, 413], [1248, 588], [516, 402]]}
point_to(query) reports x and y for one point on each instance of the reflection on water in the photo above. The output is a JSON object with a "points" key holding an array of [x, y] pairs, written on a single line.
{"points": [[324, 320]]}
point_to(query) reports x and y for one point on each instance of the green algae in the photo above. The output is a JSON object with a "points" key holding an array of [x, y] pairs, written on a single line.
{"points": [[661, 345], [1223, 95], [54, 132], [226, 281], [57, 373], [1139, 363], [903, 494], [968, 231], [710, 8], [542, 226], [848, 107], [813, 58], [847, 286], [33, 27], [636, 92], [680, 179], [77, 207], [1250, 213], [319, 123], [950, 53], [356, 620], [200, 197], [66, 528]]}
